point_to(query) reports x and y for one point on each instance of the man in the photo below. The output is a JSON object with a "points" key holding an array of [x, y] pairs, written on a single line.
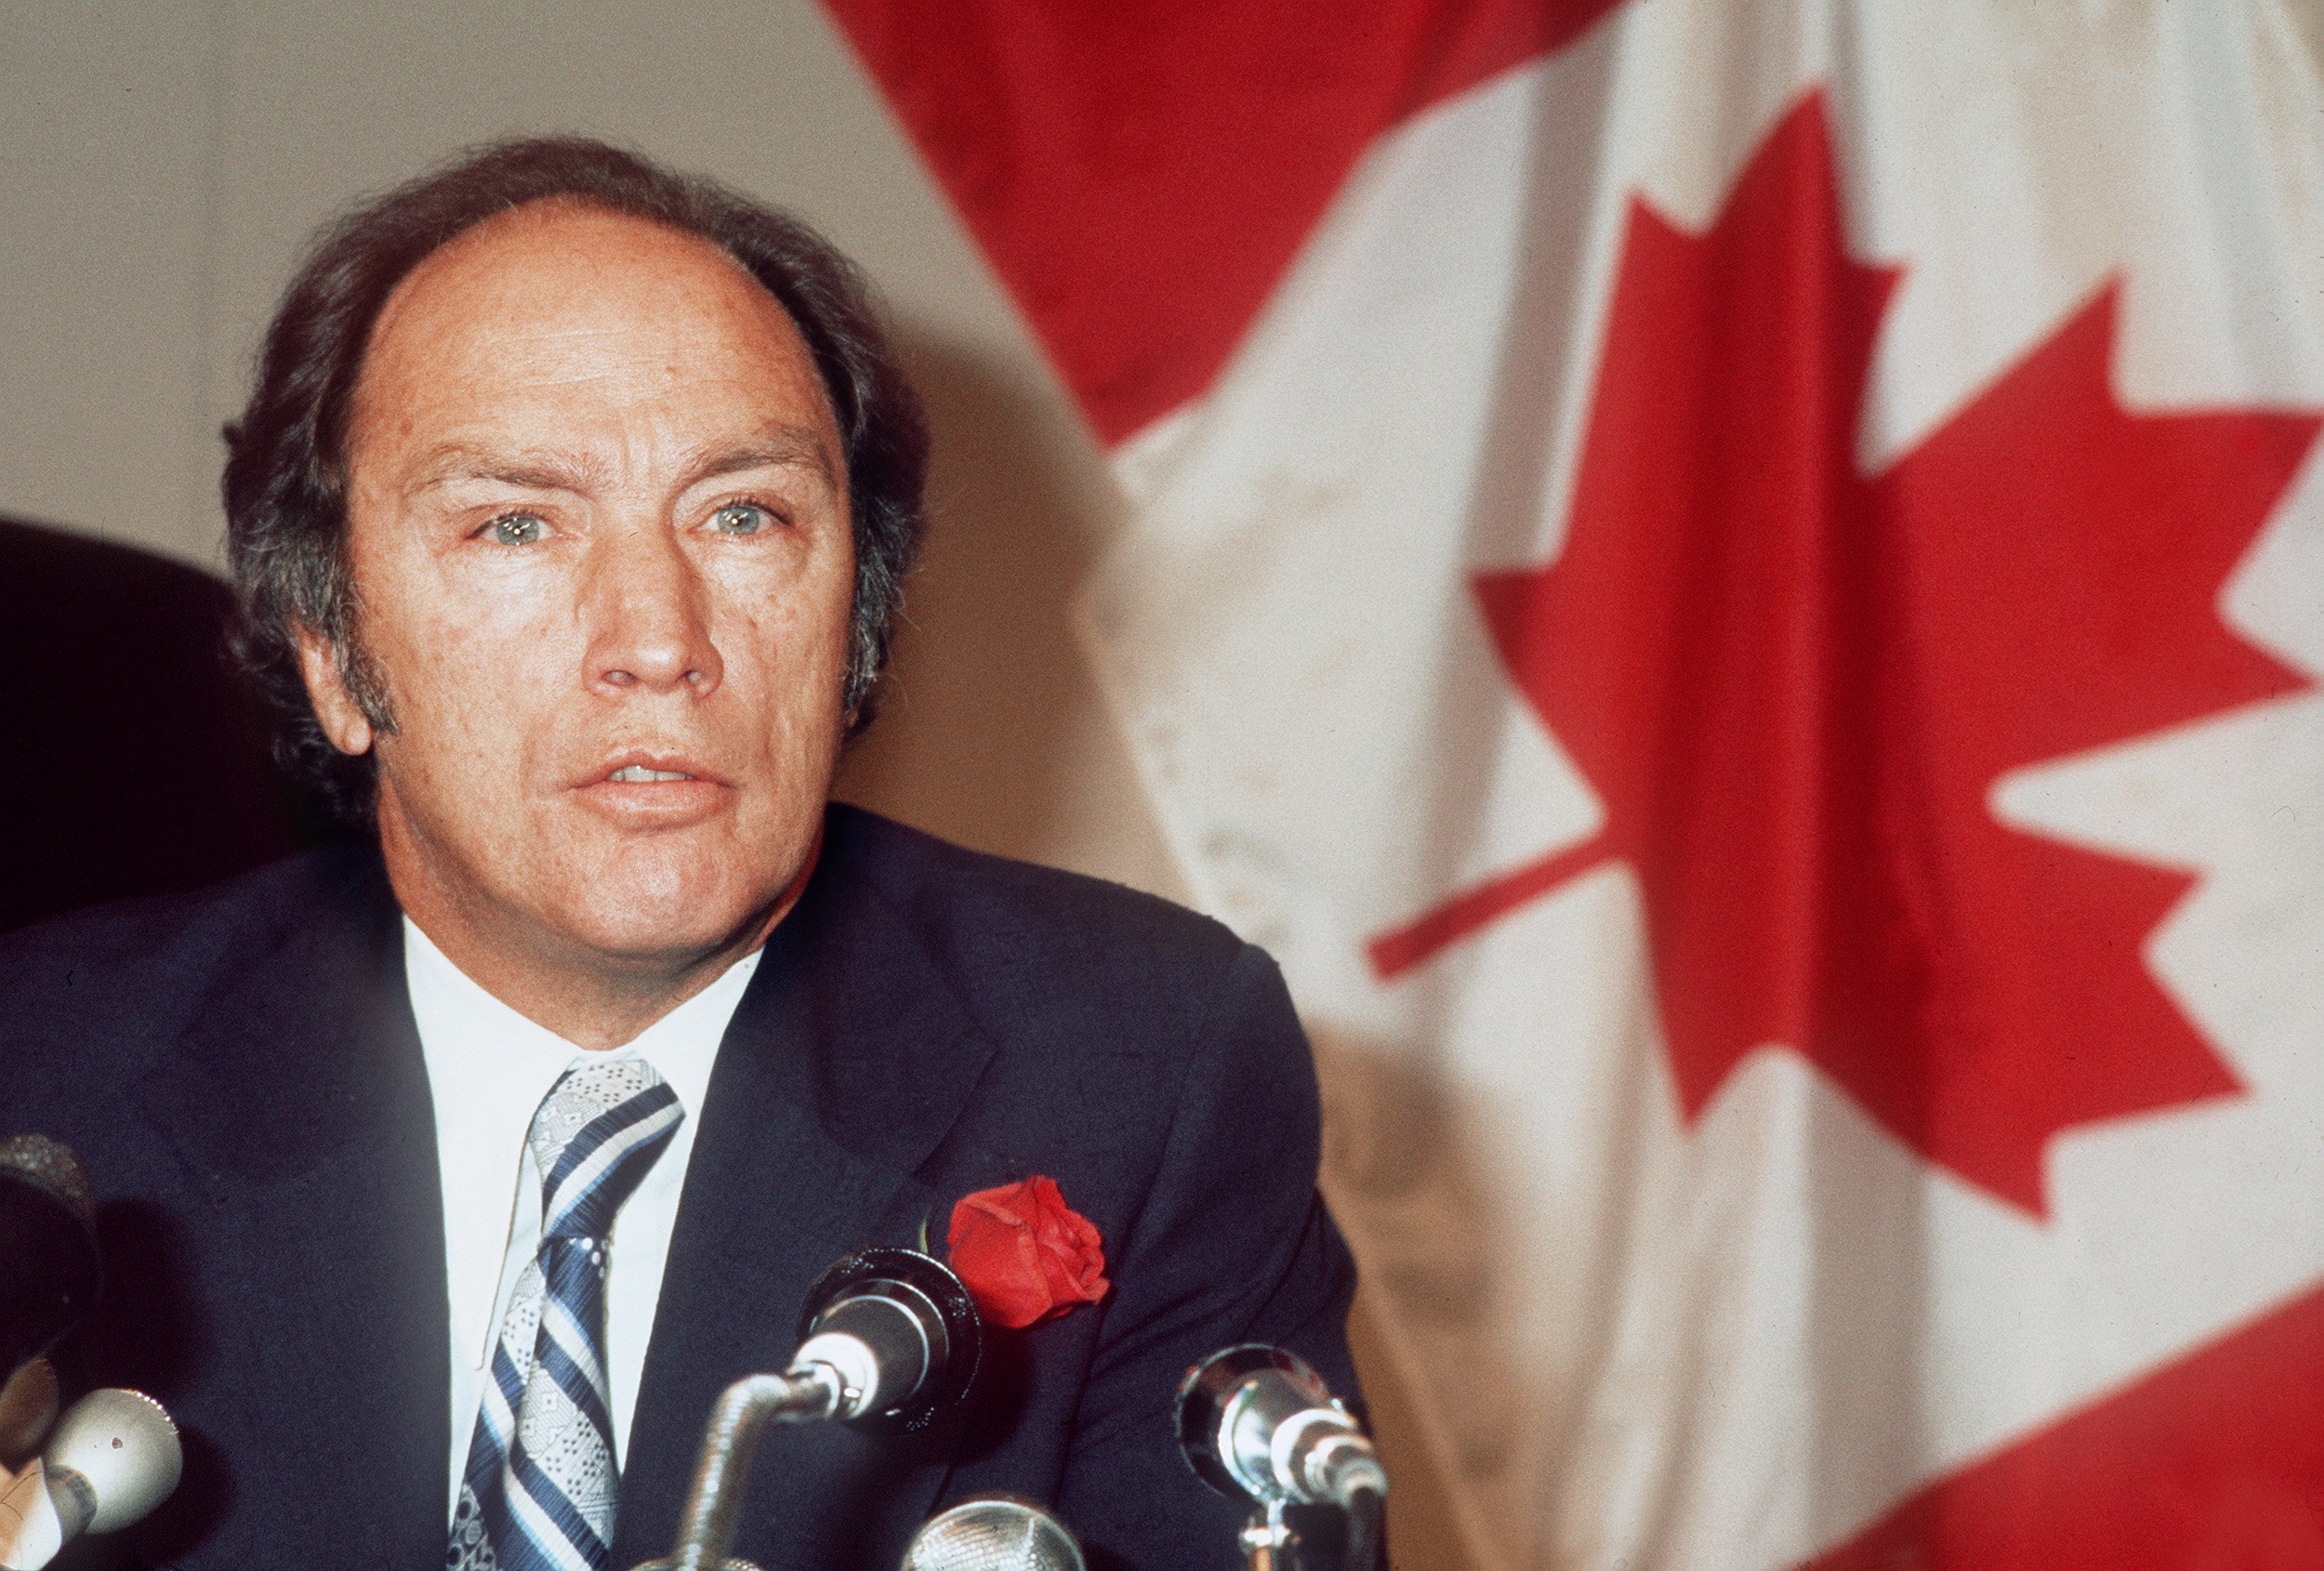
{"points": [[450, 1178]]}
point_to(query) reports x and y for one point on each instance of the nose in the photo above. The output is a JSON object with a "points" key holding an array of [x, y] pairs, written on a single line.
{"points": [[647, 611]]}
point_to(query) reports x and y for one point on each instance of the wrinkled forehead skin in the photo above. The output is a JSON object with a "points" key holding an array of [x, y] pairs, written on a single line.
{"points": [[552, 289]]}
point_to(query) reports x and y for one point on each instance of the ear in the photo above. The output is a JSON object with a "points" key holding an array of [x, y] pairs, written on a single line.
{"points": [[343, 720]]}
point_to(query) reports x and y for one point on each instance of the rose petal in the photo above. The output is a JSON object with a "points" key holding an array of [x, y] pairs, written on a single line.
{"points": [[1023, 1254]]}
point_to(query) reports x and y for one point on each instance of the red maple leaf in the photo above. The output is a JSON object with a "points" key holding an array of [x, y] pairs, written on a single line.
{"points": [[1793, 685]]}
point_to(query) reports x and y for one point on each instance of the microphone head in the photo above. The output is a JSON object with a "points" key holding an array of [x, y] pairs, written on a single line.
{"points": [[115, 1455], [48, 1238], [1229, 1407], [993, 1533], [946, 1332]]}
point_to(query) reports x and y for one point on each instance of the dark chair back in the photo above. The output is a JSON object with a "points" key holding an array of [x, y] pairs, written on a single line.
{"points": [[132, 759]]}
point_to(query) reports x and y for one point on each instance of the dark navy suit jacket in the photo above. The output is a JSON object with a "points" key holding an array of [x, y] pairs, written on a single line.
{"points": [[241, 1072]]}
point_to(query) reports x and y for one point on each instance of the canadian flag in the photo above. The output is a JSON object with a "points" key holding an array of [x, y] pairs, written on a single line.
{"points": [[1734, 590]]}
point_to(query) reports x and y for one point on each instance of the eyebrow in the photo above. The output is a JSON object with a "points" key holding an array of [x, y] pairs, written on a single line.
{"points": [[785, 447], [792, 448]]}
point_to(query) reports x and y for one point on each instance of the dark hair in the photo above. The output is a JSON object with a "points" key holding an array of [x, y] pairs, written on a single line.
{"points": [[285, 481]]}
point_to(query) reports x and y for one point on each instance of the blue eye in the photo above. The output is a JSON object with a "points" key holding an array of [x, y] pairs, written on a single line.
{"points": [[516, 529], [741, 517]]}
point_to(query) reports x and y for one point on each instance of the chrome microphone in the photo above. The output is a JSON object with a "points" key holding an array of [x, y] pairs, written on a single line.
{"points": [[49, 1272], [1256, 1422], [897, 1330], [889, 1338], [993, 1533], [112, 1459]]}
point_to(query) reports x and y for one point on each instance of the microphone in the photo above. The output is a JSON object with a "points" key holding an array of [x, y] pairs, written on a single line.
{"points": [[993, 1533], [899, 1333], [113, 1457], [1256, 1423], [47, 1244], [888, 1340]]}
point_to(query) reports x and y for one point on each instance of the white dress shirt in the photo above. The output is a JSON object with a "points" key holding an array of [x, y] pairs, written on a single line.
{"points": [[488, 1068]]}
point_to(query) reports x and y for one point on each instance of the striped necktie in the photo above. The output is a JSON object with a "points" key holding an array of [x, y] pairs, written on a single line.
{"points": [[539, 1489]]}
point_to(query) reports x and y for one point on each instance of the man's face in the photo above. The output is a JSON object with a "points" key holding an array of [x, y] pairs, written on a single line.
{"points": [[598, 523]]}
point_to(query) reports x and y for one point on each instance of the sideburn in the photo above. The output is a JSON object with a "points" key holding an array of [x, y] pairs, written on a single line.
{"points": [[360, 675]]}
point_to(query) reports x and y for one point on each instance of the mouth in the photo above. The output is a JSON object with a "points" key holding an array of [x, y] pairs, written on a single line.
{"points": [[654, 790], [640, 766]]}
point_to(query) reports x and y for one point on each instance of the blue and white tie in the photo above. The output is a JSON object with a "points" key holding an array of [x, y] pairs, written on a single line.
{"points": [[539, 1489]]}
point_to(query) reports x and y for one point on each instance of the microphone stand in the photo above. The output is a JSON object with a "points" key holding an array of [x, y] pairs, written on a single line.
{"points": [[888, 1335], [1256, 1424], [729, 1441], [1266, 1538]]}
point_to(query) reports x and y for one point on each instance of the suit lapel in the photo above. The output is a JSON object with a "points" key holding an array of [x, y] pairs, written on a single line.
{"points": [[323, 1398], [329, 1252], [846, 1062]]}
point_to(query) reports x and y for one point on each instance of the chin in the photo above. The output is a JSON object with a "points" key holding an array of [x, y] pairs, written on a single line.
{"points": [[671, 901], [650, 932]]}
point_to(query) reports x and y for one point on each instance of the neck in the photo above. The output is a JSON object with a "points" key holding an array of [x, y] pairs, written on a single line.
{"points": [[590, 1007]]}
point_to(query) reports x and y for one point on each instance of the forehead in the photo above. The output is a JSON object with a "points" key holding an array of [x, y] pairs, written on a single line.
{"points": [[549, 310]]}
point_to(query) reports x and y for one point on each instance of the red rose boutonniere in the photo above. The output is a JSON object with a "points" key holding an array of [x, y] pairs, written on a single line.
{"points": [[1023, 1254]]}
